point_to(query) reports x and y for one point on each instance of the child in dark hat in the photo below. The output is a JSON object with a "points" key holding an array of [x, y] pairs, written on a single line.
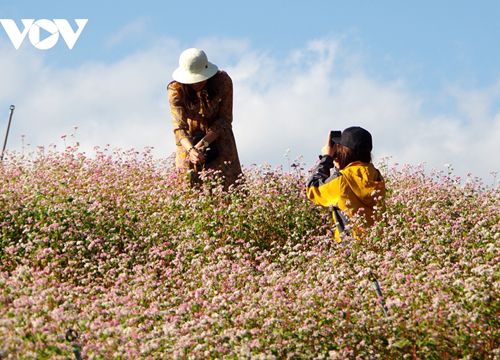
{"points": [[346, 180]]}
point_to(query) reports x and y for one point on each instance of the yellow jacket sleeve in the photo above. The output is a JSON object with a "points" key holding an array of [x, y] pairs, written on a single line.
{"points": [[324, 185]]}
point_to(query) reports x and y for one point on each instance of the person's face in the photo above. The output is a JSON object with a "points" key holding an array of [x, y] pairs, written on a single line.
{"points": [[198, 86]]}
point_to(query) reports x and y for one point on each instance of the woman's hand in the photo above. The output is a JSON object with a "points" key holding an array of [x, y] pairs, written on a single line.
{"points": [[196, 156], [328, 148]]}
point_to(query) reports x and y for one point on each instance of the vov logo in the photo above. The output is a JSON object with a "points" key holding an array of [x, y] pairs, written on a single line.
{"points": [[53, 28]]}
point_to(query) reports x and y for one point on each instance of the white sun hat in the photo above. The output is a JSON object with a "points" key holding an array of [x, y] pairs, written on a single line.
{"points": [[194, 67]]}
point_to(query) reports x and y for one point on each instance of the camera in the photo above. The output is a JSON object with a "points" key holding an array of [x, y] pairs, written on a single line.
{"points": [[335, 136]]}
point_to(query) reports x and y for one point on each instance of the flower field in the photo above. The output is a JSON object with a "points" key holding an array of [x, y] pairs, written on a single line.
{"points": [[116, 248]]}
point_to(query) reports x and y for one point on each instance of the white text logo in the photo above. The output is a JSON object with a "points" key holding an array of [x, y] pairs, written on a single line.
{"points": [[52, 29]]}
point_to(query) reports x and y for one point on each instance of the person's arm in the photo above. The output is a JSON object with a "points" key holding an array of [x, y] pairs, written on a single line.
{"points": [[321, 172], [195, 154], [323, 187], [181, 127], [325, 183], [206, 140]]}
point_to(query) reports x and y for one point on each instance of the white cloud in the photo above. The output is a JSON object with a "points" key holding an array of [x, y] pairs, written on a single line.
{"points": [[123, 103], [280, 103]]}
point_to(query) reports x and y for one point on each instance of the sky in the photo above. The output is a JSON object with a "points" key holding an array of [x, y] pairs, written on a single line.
{"points": [[422, 76]]}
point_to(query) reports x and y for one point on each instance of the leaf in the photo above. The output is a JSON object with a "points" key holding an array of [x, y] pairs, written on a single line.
{"points": [[401, 343]]}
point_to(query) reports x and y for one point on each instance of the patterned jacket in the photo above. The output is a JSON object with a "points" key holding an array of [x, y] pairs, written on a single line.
{"points": [[212, 112]]}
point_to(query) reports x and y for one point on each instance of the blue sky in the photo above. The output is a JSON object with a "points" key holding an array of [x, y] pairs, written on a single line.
{"points": [[424, 72], [436, 41]]}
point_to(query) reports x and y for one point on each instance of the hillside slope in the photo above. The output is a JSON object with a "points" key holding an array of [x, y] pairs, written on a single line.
{"points": [[116, 248]]}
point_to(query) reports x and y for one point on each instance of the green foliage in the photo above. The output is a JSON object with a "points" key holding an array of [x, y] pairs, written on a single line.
{"points": [[119, 248]]}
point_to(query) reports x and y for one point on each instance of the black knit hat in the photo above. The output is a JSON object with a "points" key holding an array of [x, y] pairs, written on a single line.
{"points": [[357, 139]]}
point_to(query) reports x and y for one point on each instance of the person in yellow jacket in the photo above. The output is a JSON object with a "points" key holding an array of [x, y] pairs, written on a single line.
{"points": [[346, 180]]}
